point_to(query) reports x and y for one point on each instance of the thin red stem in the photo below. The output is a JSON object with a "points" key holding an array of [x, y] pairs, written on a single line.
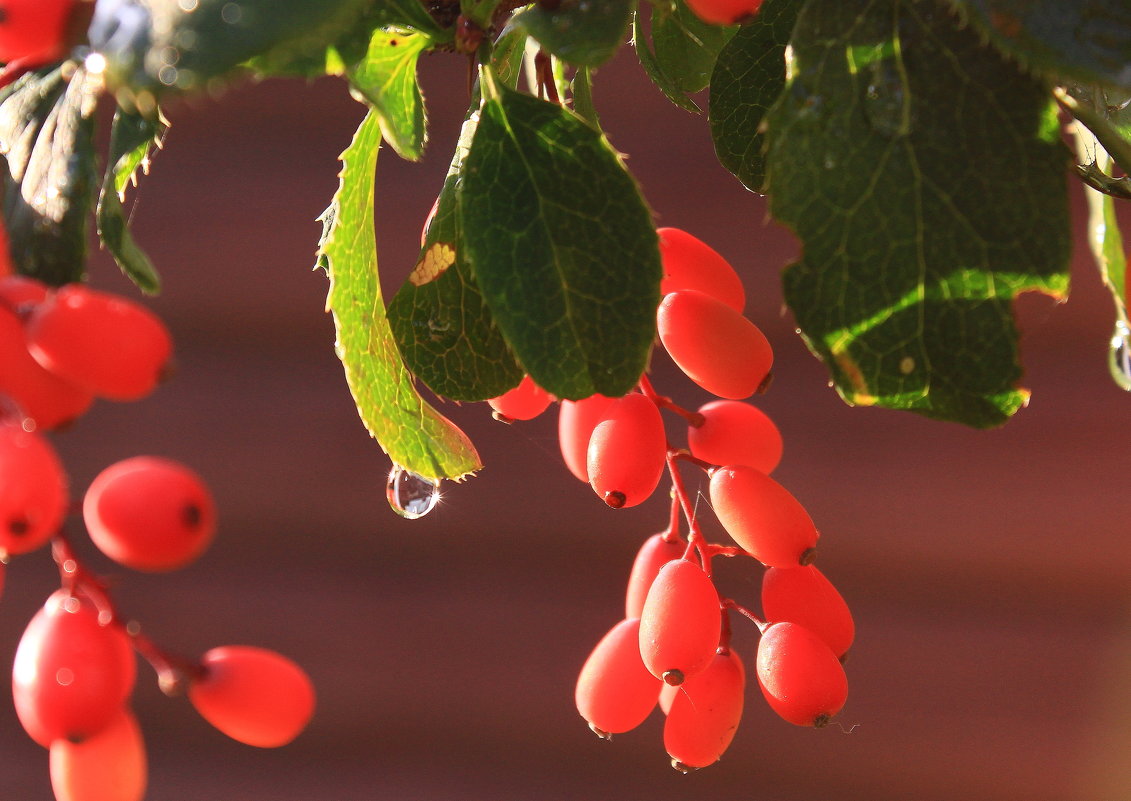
{"points": [[694, 419], [730, 603]]}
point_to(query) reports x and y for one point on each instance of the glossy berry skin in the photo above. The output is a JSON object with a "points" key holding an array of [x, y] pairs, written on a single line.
{"points": [[800, 676], [656, 552], [110, 766], [681, 622], [524, 402], [71, 673], [33, 30], [715, 346], [576, 421], [253, 695], [33, 490], [627, 452], [106, 344], [724, 12], [735, 433], [149, 513], [615, 692], [690, 263], [762, 516], [804, 596], [47, 399], [705, 711]]}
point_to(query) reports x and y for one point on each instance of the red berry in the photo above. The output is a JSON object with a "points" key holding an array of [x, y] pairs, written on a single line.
{"points": [[615, 692], [735, 433], [724, 12], [72, 672], [253, 695], [704, 713], [524, 402], [681, 622], [149, 513], [715, 346], [804, 596], [690, 263], [576, 421], [50, 401], [656, 552], [762, 516], [33, 30], [110, 766], [801, 677], [106, 344], [18, 292], [33, 490], [627, 452]]}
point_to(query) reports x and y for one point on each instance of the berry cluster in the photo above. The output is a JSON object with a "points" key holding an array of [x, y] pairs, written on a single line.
{"points": [[673, 647], [74, 669]]}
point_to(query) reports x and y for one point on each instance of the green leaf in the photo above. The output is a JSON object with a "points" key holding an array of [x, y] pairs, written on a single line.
{"points": [[130, 139], [562, 246], [685, 46], [749, 77], [653, 70], [925, 178], [386, 78], [443, 326], [415, 435], [1079, 40], [581, 88], [580, 32], [47, 127], [170, 45]]}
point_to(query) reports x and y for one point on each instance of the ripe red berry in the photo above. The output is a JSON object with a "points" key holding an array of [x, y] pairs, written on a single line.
{"points": [[735, 433], [801, 677], [33, 490], [681, 622], [615, 692], [106, 344], [762, 516], [50, 401], [627, 452], [704, 713], [576, 421], [804, 596], [715, 346], [19, 293], [690, 263], [724, 12], [149, 513], [33, 30], [656, 552], [524, 402], [72, 672], [110, 766], [253, 695]]}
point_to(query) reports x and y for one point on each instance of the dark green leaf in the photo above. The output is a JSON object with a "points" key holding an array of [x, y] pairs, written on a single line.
{"points": [[446, 332], [415, 435], [130, 139], [685, 46], [652, 68], [47, 131], [154, 46], [925, 178], [1078, 40], [580, 32], [562, 246], [749, 77], [386, 78], [581, 89], [442, 324]]}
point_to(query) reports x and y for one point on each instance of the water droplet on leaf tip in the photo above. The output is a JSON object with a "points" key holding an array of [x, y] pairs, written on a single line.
{"points": [[411, 495]]}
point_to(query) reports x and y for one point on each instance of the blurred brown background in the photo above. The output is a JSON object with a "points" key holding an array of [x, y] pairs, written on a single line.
{"points": [[988, 571]]}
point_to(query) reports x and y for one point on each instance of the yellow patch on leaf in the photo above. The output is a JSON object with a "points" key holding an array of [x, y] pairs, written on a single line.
{"points": [[432, 264]]}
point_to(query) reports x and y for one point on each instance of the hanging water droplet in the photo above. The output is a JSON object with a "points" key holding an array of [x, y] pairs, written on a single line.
{"points": [[1119, 355], [411, 495]]}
